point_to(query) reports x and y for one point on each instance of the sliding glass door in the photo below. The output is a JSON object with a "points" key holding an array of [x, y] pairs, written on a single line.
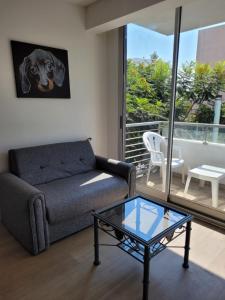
{"points": [[199, 130], [148, 94], [175, 105]]}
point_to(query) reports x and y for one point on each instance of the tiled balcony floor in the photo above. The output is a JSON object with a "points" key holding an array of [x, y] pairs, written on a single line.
{"points": [[196, 193]]}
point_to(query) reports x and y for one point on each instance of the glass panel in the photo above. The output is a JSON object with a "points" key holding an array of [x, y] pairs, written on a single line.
{"points": [[149, 72], [199, 130], [143, 218]]}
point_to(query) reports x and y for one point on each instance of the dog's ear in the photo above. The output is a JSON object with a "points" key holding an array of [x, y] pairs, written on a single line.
{"points": [[25, 83], [58, 70]]}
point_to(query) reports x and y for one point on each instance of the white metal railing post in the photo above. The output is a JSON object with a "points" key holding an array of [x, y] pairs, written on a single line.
{"points": [[216, 120], [206, 129]]}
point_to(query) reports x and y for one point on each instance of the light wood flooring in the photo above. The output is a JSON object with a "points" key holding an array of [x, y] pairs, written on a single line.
{"points": [[66, 271]]}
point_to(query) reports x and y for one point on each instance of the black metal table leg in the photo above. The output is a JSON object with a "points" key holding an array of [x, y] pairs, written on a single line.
{"points": [[146, 273], [96, 242], [187, 245]]}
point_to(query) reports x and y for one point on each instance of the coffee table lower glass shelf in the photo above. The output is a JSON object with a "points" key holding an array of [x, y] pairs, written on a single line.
{"points": [[143, 228]]}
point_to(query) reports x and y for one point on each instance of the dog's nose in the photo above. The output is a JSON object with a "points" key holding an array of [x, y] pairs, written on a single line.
{"points": [[44, 82]]}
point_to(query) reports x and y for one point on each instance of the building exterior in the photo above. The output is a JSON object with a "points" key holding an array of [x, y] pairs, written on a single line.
{"points": [[211, 45]]}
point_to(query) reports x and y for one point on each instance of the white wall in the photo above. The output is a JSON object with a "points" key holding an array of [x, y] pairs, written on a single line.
{"points": [[196, 153], [26, 122]]}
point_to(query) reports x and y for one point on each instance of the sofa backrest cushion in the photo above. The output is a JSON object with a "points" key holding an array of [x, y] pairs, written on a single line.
{"points": [[42, 164]]}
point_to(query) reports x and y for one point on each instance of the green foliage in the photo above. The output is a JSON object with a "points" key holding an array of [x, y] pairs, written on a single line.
{"points": [[199, 82], [149, 86], [148, 89], [182, 106], [203, 114], [222, 119]]}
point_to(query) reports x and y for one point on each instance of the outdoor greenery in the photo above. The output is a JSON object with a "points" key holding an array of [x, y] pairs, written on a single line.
{"points": [[149, 86]]}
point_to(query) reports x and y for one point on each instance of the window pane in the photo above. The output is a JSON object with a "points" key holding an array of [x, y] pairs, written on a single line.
{"points": [[149, 70], [199, 131]]}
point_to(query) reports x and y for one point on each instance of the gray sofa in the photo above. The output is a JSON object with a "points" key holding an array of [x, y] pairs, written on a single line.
{"points": [[51, 191]]}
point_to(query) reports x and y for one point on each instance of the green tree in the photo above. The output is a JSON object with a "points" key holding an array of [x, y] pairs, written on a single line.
{"points": [[200, 83], [149, 86], [222, 118], [203, 114]]}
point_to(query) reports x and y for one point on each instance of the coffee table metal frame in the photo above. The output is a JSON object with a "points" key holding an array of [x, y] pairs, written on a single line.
{"points": [[142, 250]]}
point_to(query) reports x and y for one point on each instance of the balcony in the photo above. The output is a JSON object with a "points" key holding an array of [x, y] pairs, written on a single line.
{"points": [[200, 144]]}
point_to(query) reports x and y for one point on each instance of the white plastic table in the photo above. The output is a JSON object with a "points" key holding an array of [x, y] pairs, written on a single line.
{"points": [[207, 173]]}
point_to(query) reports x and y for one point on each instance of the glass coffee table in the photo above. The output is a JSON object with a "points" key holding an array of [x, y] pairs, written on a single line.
{"points": [[143, 228]]}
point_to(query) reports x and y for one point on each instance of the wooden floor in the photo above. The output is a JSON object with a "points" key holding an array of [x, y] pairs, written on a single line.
{"points": [[196, 193], [65, 271]]}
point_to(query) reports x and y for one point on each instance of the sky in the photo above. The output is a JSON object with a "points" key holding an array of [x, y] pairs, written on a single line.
{"points": [[142, 42]]}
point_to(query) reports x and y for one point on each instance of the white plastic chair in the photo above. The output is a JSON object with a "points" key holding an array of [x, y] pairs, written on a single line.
{"points": [[154, 143]]}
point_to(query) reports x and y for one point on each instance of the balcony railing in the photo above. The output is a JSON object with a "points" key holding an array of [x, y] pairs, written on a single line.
{"points": [[136, 152]]}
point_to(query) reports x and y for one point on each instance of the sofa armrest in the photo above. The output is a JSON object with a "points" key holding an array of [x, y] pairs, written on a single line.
{"points": [[23, 212], [123, 169]]}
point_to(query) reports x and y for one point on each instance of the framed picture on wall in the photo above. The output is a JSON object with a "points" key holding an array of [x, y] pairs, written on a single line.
{"points": [[40, 71]]}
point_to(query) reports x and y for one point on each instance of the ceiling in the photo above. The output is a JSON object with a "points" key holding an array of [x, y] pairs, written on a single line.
{"points": [[82, 2], [195, 14], [160, 17]]}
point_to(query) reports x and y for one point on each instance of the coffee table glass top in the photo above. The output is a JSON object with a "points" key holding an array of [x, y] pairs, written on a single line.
{"points": [[142, 217]]}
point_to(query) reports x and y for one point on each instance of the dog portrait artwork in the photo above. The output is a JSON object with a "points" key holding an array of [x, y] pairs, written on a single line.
{"points": [[40, 72]]}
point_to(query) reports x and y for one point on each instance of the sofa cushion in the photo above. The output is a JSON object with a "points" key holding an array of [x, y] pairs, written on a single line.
{"points": [[42, 164], [76, 195]]}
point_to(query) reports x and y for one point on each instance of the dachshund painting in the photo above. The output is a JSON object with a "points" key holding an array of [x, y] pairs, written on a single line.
{"points": [[40, 71]]}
